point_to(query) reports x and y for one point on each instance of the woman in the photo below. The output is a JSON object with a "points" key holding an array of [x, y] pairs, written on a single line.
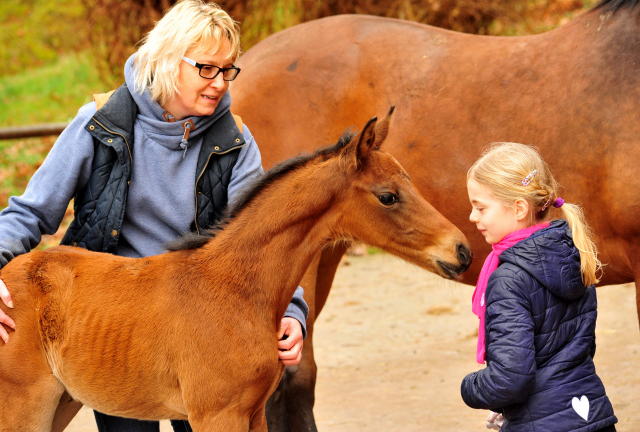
{"points": [[162, 138]]}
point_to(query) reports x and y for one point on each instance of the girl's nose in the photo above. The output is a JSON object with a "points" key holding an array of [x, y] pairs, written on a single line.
{"points": [[472, 217]]}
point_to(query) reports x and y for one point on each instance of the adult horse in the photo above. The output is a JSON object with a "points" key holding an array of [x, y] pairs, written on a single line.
{"points": [[192, 333], [574, 92]]}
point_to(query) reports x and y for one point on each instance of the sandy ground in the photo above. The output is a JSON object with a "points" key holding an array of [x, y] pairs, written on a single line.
{"points": [[394, 342]]}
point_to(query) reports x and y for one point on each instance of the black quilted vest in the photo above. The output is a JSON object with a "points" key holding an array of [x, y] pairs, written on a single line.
{"points": [[99, 207]]}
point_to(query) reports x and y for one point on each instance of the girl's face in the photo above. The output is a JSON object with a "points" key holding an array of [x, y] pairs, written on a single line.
{"points": [[491, 217], [199, 96]]}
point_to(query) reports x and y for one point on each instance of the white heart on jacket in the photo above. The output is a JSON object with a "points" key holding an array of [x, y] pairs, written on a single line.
{"points": [[581, 406]]}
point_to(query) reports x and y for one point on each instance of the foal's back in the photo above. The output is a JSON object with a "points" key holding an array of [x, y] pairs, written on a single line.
{"points": [[76, 305]]}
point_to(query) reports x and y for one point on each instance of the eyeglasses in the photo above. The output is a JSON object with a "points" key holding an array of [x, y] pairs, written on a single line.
{"points": [[211, 71]]}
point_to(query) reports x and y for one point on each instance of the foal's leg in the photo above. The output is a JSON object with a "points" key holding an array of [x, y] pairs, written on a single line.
{"points": [[290, 408], [223, 422], [29, 408]]}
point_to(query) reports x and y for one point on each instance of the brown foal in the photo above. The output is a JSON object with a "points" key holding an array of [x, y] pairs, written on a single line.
{"points": [[192, 333]]}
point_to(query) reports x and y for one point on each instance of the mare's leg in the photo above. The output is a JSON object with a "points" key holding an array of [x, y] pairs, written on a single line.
{"points": [[66, 411], [290, 408]]}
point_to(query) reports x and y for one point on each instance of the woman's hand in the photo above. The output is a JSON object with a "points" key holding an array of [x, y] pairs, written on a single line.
{"points": [[290, 349], [494, 421], [4, 318]]}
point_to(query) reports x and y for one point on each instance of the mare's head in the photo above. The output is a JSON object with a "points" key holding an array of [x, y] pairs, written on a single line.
{"points": [[384, 209]]}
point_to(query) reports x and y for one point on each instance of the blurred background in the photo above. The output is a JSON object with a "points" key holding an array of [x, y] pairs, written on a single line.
{"points": [[56, 53]]}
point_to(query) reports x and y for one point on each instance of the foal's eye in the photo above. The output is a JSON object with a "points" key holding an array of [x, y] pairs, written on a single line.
{"points": [[388, 199]]}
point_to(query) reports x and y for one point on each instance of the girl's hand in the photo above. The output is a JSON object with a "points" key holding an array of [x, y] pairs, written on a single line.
{"points": [[290, 348], [4, 318], [494, 421]]}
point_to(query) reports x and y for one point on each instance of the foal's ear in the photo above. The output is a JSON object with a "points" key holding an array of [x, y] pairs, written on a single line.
{"points": [[362, 144], [382, 129]]}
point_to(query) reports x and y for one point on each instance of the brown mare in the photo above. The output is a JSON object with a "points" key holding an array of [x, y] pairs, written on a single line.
{"points": [[192, 333], [573, 92]]}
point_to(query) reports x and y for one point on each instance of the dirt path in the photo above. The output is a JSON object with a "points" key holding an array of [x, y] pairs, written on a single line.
{"points": [[394, 342]]}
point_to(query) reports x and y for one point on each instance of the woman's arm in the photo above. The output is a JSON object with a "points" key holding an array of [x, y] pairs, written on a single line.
{"points": [[40, 209], [42, 206], [511, 367]]}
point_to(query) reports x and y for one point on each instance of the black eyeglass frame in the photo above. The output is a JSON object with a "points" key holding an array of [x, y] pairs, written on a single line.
{"points": [[223, 70]]}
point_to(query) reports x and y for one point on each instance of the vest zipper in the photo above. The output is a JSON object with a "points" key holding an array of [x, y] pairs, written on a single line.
{"points": [[195, 189], [125, 140]]}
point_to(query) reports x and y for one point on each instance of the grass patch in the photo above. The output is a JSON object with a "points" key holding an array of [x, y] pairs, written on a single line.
{"points": [[49, 94]]}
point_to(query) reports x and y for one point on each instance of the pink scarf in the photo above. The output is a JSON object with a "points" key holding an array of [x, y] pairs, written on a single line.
{"points": [[490, 264]]}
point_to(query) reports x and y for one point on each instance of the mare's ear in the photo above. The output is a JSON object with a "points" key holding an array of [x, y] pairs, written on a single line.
{"points": [[382, 129], [361, 145]]}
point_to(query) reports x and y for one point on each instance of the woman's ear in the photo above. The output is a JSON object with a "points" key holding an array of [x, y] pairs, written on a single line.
{"points": [[521, 207]]}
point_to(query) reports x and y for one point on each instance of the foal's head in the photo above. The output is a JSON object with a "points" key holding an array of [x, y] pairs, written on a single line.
{"points": [[384, 209]]}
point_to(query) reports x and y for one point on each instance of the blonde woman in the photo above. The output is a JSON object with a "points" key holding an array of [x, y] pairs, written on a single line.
{"points": [[536, 301], [162, 156]]}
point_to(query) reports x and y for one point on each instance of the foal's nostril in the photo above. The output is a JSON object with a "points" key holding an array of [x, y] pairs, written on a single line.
{"points": [[464, 255]]}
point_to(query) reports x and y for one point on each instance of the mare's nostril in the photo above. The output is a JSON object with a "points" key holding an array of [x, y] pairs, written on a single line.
{"points": [[464, 254]]}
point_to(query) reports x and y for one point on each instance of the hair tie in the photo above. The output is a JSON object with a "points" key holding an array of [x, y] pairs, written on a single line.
{"points": [[558, 202], [529, 178], [544, 207]]}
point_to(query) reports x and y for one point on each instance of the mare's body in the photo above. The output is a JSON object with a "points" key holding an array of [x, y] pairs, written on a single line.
{"points": [[192, 333], [573, 92]]}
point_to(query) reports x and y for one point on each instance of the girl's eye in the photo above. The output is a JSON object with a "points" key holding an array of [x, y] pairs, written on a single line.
{"points": [[388, 199]]}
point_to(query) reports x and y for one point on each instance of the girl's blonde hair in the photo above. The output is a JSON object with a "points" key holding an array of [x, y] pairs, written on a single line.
{"points": [[503, 169], [187, 25]]}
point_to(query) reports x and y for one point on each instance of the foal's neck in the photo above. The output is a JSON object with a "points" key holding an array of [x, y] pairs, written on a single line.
{"points": [[274, 238]]}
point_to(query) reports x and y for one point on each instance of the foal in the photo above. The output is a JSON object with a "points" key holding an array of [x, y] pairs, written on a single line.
{"points": [[192, 333]]}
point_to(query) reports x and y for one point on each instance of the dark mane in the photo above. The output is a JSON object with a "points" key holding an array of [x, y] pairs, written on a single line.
{"points": [[613, 5], [252, 190]]}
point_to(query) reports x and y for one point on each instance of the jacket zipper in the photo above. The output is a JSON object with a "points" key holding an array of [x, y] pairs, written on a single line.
{"points": [[195, 190], [125, 140]]}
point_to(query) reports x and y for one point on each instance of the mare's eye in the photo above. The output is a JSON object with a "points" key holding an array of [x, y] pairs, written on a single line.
{"points": [[388, 199]]}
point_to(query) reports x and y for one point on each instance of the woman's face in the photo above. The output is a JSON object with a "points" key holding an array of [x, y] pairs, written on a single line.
{"points": [[199, 96], [491, 217]]}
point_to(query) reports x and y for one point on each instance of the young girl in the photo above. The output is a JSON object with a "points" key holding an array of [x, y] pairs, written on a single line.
{"points": [[536, 301]]}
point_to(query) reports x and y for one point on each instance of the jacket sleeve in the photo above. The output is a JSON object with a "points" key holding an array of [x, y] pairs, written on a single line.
{"points": [[248, 167], [41, 208], [510, 351]]}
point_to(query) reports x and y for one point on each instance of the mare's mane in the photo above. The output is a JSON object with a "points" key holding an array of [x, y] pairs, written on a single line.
{"points": [[613, 5], [194, 241]]}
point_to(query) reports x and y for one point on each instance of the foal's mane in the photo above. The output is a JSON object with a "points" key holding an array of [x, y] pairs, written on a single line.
{"points": [[252, 190], [613, 5]]}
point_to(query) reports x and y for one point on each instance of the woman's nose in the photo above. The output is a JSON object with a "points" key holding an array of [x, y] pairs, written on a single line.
{"points": [[218, 82]]}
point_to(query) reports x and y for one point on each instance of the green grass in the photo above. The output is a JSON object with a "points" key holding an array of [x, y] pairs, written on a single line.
{"points": [[48, 94]]}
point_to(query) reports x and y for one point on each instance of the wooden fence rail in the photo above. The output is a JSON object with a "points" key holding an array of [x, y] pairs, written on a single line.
{"points": [[32, 130]]}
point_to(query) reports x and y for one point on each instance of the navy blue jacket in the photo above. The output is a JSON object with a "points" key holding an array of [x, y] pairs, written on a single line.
{"points": [[540, 340]]}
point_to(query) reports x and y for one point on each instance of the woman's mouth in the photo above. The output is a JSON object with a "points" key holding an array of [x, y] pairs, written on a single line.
{"points": [[209, 97]]}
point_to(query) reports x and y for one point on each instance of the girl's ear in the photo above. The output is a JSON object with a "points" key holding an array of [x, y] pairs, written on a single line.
{"points": [[521, 207]]}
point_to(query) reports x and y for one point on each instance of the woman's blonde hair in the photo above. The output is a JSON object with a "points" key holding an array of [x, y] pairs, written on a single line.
{"points": [[514, 171], [187, 25]]}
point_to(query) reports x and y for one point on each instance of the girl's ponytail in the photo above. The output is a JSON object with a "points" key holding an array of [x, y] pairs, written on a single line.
{"points": [[583, 240]]}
